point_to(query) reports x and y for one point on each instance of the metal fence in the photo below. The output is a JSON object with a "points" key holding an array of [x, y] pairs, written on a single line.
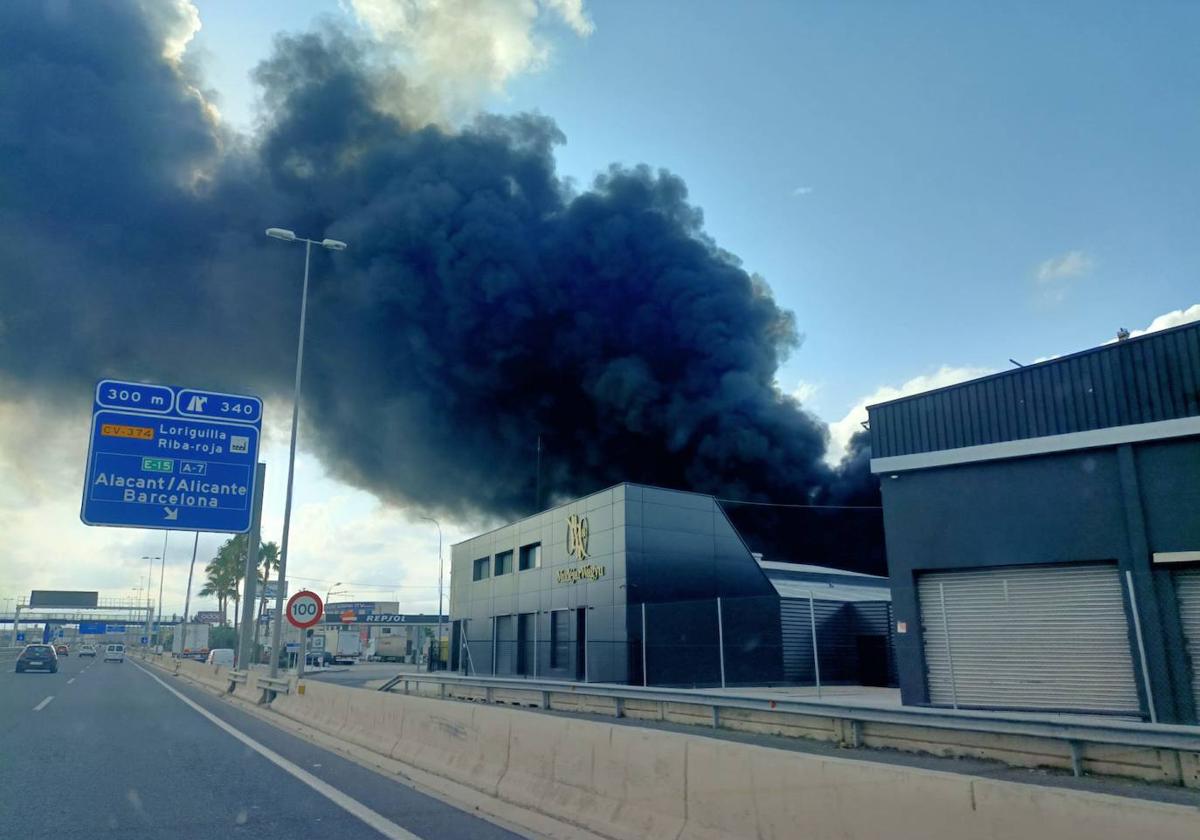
{"points": [[720, 642]]}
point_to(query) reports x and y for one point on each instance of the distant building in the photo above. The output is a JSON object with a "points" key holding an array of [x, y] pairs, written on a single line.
{"points": [[1043, 533]]}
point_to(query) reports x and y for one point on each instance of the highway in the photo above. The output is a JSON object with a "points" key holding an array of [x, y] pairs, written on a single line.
{"points": [[113, 750]]}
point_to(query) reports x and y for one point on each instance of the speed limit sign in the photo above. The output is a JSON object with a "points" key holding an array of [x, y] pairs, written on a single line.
{"points": [[304, 609]]}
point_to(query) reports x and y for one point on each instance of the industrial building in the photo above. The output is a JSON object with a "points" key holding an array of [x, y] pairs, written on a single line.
{"points": [[1043, 533], [632, 584]]}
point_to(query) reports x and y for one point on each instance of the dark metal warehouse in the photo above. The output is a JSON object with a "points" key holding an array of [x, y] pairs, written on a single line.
{"points": [[1043, 533]]}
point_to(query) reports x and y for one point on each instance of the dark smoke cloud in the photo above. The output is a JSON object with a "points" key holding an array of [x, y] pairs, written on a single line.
{"points": [[482, 302]]}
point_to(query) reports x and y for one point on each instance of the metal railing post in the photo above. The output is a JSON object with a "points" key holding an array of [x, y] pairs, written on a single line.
{"points": [[721, 642], [1137, 629], [949, 654], [645, 681], [812, 623]]}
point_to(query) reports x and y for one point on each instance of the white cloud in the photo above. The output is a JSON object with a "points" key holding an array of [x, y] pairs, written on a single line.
{"points": [[458, 51], [1170, 319], [840, 431], [802, 191], [1067, 266], [805, 392]]}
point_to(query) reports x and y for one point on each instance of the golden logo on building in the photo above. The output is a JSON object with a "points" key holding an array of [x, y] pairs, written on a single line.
{"points": [[577, 536]]}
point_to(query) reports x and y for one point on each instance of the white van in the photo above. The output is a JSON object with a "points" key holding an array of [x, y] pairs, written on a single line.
{"points": [[114, 653], [221, 656]]}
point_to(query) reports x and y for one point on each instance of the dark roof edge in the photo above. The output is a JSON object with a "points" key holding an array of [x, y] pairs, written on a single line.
{"points": [[1014, 371]]}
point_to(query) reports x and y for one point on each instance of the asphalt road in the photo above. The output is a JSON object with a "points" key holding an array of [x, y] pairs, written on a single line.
{"points": [[115, 754]]}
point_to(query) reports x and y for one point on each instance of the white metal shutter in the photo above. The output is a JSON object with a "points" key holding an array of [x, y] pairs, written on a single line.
{"points": [[1187, 590], [1044, 637]]}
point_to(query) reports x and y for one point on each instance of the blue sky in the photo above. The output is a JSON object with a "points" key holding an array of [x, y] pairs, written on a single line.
{"points": [[898, 172]]}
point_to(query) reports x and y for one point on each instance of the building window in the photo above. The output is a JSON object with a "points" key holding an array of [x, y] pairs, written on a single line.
{"points": [[531, 556], [482, 569], [560, 638], [503, 563]]}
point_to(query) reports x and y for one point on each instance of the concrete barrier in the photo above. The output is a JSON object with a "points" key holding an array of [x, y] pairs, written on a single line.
{"points": [[465, 743], [630, 782]]}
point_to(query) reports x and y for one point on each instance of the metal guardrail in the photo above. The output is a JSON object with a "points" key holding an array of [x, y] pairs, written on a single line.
{"points": [[238, 677], [1073, 733], [279, 685]]}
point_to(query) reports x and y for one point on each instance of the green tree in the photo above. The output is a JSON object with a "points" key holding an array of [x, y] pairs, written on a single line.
{"points": [[268, 559], [217, 585], [223, 576]]}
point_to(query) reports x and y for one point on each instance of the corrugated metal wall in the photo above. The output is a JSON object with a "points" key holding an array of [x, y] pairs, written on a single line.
{"points": [[838, 625], [1146, 379]]}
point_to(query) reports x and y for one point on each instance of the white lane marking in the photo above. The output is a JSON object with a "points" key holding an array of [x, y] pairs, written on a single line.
{"points": [[372, 818], [43, 704], [70, 680]]}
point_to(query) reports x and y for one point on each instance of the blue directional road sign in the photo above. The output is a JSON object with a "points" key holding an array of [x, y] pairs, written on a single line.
{"points": [[20, 637], [175, 458], [92, 628]]}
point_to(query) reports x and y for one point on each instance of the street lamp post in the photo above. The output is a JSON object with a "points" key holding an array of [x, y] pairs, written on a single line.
{"points": [[440, 578], [332, 245], [149, 578], [162, 569]]}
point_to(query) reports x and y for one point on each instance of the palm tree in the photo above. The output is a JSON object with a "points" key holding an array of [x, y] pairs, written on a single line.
{"points": [[231, 556], [268, 556], [219, 583]]}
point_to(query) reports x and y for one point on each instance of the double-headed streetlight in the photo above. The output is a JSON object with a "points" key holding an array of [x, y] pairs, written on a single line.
{"points": [[440, 577], [332, 245]]}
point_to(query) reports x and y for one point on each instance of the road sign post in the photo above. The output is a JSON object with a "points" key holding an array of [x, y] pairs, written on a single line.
{"points": [[249, 595], [304, 610], [173, 458]]}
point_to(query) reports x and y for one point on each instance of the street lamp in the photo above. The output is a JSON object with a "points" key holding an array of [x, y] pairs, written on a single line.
{"points": [[330, 591], [332, 245], [440, 577]]}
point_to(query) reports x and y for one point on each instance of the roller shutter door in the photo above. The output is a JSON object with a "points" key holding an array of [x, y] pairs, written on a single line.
{"points": [[1046, 637], [1187, 590]]}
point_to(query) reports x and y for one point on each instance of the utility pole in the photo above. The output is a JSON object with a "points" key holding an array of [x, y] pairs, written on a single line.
{"points": [[245, 651], [187, 598]]}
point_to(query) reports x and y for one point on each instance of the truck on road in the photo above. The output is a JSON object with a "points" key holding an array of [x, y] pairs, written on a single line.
{"points": [[191, 641], [392, 647], [348, 648]]}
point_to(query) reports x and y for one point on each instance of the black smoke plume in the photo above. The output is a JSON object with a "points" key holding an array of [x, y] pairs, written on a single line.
{"points": [[483, 302]]}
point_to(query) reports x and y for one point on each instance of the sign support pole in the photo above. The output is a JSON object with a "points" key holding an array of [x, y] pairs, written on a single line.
{"points": [[187, 599], [245, 656]]}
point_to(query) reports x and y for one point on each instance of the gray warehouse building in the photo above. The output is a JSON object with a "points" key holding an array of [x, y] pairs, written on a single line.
{"points": [[1043, 533], [632, 584]]}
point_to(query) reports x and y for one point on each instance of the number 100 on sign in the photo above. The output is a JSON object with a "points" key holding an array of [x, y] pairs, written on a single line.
{"points": [[304, 609]]}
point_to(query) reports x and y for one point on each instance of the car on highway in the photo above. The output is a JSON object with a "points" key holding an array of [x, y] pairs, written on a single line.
{"points": [[320, 658], [221, 656], [114, 653], [62, 650], [42, 657], [87, 650]]}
